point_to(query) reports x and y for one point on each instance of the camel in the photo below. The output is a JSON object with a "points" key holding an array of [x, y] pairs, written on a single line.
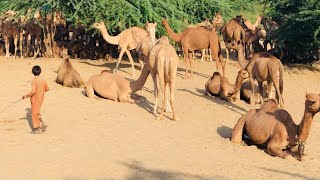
{"points": [[246, 92], [163, 62], [144, 47], [68, 76], [270, 26], [114, 86], [219, 85], [198, 38], [10, 30], [233, 33], [275, 129], [127, 40], [263, 67]]}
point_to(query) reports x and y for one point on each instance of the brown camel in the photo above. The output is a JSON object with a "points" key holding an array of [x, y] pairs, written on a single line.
{"points": [[68, 76], [144, 47], [114, 86], [275, 129], [219, 85], [263, 67], [233, 34], [246, 92], [163, 62], [198, 38], [127, 40], [11, 30]]}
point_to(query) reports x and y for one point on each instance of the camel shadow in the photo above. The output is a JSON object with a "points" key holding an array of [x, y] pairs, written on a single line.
{"points": [[144, 103], [224, 132], [138, 171], [230, 106], [299, 68], [111, 65]]}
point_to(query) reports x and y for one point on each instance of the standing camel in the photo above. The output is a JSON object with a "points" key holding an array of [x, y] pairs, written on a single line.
{"points": [[163, 62], [263, 67], [233, 34], [274, 128], [198, 38], [270, 26], [10, 30], [127, 40]]}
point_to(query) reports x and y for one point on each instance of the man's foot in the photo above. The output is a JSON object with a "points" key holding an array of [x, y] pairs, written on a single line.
{"points": [[44, 127], [36, 131]]}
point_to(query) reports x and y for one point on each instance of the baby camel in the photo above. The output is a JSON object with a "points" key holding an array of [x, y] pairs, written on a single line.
{"points": [[219, 85], [163, 62], [274, 128]]}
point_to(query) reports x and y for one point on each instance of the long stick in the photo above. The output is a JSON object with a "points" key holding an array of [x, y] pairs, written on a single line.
{"points": [[10, 105]]}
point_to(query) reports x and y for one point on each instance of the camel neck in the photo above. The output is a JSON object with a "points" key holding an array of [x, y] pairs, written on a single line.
{"points": [[176, 37], [305, 126], [110, 39], [238, 83], [242, 60], [138, 84], [258, 21]]}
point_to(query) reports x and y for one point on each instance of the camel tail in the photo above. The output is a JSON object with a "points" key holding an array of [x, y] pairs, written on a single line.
{"points": [[281, 79]]}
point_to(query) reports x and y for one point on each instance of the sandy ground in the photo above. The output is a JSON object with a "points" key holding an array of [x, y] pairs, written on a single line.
{"points": [[103, 139]]}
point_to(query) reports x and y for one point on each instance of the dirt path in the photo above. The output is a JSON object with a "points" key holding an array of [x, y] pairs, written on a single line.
{"points": [[102, 139]]}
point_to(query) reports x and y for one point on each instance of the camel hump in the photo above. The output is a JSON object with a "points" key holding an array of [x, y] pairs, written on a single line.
{"points": [[215, 74]]}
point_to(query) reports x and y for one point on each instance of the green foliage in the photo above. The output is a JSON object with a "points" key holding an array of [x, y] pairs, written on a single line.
{"points": [[121, 14], [299, 32]]}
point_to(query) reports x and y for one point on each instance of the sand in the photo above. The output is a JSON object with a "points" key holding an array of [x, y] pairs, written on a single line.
{"points": [[102, 139]]}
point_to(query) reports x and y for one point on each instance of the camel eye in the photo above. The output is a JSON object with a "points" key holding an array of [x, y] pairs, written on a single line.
{"points": [[312, 101]]}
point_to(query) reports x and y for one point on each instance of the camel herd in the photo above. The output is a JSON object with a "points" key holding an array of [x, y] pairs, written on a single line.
{"points": [[270, 126]]}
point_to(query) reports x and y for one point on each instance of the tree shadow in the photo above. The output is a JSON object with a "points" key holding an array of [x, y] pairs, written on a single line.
{"points": [[298, 68], [139, 171], [230, 106], [194, 72], [294, 175], [224, 132]]}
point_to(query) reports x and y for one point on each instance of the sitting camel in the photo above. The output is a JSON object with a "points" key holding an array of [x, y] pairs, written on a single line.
{"points": [[114, 86], [263, 67], [274, 128], [198, 38], [246, 92], [163, 62], [219, 85], [126, 41], [68, 76]]}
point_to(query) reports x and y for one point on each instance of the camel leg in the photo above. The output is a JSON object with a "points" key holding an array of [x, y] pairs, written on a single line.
{"points": [[261, 92], [210, 55], [279, 97], [185, 53], [276, 144], [6, 40], [162, 93], [168, 107], [222, 64], [172, 99], [126, 99], [89, 91], [155, 92], [218, 58], [15, 40], [141, 64], [269, 91], [190, 63], [253, 90], [20, 44], [237, 131], [227, 54], [224, 95], [118, 61], [131, 62], [203, 53]]}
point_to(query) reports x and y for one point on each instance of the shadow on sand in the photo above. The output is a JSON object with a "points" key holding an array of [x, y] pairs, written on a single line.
{"points": [[224, 132], [139, 171], [230, 106], [294, 175]]}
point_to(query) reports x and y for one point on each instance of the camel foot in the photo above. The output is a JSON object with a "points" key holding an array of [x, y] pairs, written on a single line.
{"points": [[305, 158], [114, 71], [290, 158], [159, 117], [176, 119]]}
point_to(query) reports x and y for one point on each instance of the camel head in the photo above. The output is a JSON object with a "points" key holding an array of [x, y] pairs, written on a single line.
{"points": [[312, 103], [217, 19], [151, 28], [10, 13], [99, 25], [243, 74], [165, 22], [37, 15]]}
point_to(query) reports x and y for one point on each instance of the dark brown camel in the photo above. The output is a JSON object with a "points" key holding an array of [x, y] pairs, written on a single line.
{"points": [[198, 38]]}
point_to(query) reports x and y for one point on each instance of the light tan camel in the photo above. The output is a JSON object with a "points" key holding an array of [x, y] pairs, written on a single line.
{"points": [[274, 128], [144, 47], [198, 38], [127, 40], [163, 62], [68, 76], [233, 34], [219, 85], [263, 67], [114, 86]]}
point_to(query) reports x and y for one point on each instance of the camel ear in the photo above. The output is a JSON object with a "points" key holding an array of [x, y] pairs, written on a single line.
{"points": [[308, 95]]}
